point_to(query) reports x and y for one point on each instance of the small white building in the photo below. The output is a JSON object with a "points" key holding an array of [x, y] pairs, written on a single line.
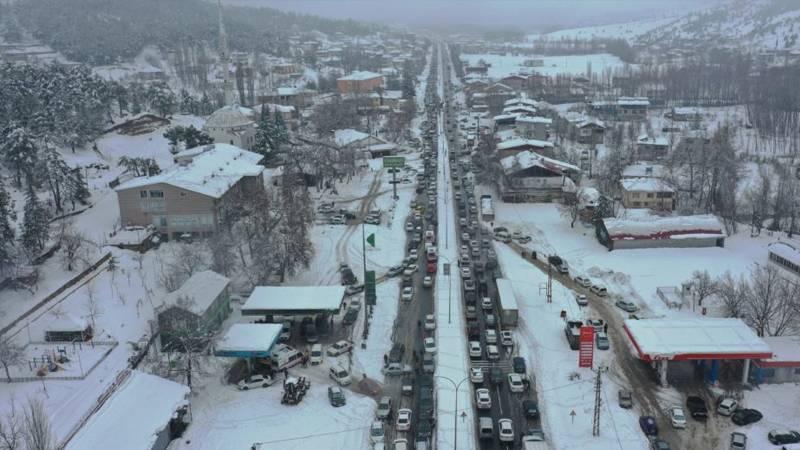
{"points": [[232, 125], [786, 256]]}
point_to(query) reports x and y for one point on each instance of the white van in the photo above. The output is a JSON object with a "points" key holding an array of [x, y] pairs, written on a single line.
{"points": [[485, 428], [599, 290], [284, 357], [339, 374]]}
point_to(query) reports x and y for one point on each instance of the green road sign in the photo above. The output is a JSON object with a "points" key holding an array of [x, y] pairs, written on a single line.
{"points": [[394, 162], [369, 287]]}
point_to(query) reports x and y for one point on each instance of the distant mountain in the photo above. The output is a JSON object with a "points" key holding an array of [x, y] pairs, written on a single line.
{"points": [[750, 24]]}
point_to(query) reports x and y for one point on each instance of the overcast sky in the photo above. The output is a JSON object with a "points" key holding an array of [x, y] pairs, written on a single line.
{"points": [[528, 15]]}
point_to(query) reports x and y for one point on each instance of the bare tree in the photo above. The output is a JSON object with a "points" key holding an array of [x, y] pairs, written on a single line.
{"points": [[11, 432], [187, 334], [703, 285], [733, 294], [185, 261], [92, 307], [11, 354], [73, 247], [38, 434], [772, 306], [223, 254]]}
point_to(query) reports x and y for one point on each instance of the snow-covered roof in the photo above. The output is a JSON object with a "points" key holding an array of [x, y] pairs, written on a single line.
{"points": [[361, 76], [500, 117], [535, 119], [198, 292], [647, 140], [506, 293], [528, 159], [348, 136], [520, 101], [513, 143], [294, 298], [645, 184], [249, 337], [504, 135], [686, 111], [588, 196], [588, 121], [212, 170], [785, 349], [392, 94], [643, 170], [274, 107], [133, 416], [695, 338], [633, 101], [229, 117], [786, 251], [61, 321], [519, 108], [654, 227], [287, 91]]}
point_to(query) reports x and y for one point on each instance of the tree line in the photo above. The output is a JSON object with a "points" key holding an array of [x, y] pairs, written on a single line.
{"points": [[104, 31]]}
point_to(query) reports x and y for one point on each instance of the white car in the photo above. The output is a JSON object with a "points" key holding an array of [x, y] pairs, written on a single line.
{"points": [[403, 419], [476, 375], [599, 290], [408, 294], [411, 269], [482, 398], [677, 417], [316, 354], [413, 254], [486, 303], [475, 349], [427, 281], [492, 353], [506, 338], [515, 383], [430, 345], [466, 272], [491, 336], [581, 299], [255, 381], [506, 430], [583, 281], [376, 433], [430, 322], [339, 348]]}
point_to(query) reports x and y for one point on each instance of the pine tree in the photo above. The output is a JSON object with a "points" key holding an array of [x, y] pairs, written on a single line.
{"points": [[280, 133], [56, 173], [35, 225], [206, 107], [77, 189], [264, 133], [7, 214], [19, 151]]}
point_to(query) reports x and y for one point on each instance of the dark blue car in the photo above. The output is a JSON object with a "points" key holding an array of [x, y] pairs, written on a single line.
{"points": [[648, 425]]}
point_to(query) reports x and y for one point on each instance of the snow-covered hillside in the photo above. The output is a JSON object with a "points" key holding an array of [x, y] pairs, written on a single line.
{"points": [[753, 24], [627, 30]]}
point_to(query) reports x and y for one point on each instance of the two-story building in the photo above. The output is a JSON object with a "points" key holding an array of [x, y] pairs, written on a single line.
{"points": [[651, 148], [652, 193], [530, 177], [360, 82], [192, 196], [534, 127]]}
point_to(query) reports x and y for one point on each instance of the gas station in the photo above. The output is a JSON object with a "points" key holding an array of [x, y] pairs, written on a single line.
{"points": [[703, 341]]}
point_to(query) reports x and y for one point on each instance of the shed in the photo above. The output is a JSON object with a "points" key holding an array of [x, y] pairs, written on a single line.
{"points": [[248, 340]]}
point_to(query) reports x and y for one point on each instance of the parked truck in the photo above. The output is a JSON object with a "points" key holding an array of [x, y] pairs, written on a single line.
{"points": [[573, 332], [507, 302]]}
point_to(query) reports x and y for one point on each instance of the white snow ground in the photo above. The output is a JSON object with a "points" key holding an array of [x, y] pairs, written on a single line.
{"points": [[504, 65]]}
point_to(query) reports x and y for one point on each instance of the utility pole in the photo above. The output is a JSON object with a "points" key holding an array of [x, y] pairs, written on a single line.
{"points": [[549, 281], [366, 303], [598, 383]]}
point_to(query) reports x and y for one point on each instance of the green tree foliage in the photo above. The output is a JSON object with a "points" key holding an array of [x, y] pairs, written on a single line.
{"points": [[188, 136]]}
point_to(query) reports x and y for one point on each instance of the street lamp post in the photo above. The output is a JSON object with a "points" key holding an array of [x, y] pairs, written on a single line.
{"points": [[456, 386]]}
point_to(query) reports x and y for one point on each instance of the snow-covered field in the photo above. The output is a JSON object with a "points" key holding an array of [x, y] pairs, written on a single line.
{"points": [[634, 274], [503, 65], [226, 418]]}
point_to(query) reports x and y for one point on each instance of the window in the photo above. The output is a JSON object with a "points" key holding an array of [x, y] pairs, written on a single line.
{"points": [[162, 221], [157, 194], [797, 371], [183, 194], [637, 204], [650, 195], [142, 194]]}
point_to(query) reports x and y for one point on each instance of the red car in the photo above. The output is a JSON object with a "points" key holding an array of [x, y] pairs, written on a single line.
{"points": [[431, 267]]}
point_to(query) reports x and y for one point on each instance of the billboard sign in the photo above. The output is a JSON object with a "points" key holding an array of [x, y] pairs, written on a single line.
{"points": [[586, 349]]}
